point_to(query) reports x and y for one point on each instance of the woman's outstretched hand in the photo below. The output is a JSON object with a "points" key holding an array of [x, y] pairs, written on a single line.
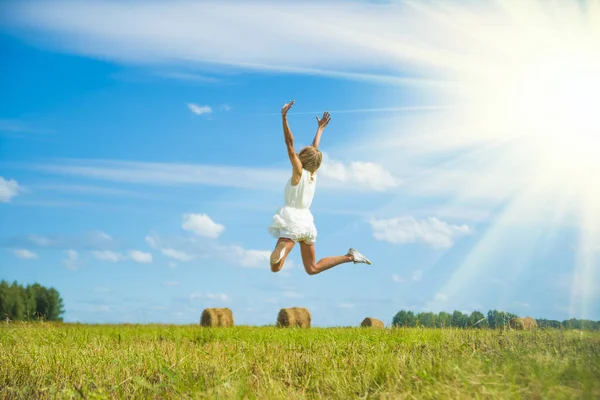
{"points": [[286, 107], [323, 121]]}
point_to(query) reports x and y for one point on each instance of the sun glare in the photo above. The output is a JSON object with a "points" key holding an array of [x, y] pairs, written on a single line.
{"points": [[557, 104]]}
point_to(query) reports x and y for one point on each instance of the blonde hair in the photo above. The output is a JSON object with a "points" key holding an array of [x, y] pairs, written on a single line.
{"points": [[311, 159]]}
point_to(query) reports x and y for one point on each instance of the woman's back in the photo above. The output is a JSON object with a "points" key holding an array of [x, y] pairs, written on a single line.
{"points": [[301, 195]]}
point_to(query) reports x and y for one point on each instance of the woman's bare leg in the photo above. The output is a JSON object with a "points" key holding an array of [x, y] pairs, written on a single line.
{"points": [[282, 244], [309, 259]]}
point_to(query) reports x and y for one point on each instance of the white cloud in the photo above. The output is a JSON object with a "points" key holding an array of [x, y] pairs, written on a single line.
{"points": [[521, 304], [155, 242], [360, 174], [172, 265], [25, 254], [177, 254], [72, 260], [248, 258], [107, 255], [202, 224], [41, 241], [292, 295], [171, 283], [8, 189], [417, 275], [398, 278], [431, 231], [140, 256], [186, 76], [199, 110], [219, 297], [225, 107], [364, 37], [439, 296]]}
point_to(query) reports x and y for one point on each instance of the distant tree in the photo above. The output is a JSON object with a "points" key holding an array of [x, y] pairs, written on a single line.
{"points": [[444, 320], [494, 319], [426, 319], [459, 320], [4, 300], [30, 303], [548, 323], [411, 319], [400, 319], [477, 320]]}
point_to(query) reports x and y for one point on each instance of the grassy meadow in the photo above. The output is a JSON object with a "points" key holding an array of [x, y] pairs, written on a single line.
{"points": [[44, 360]]}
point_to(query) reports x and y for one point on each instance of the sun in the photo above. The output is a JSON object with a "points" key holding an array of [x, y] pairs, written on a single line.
{"points": [[555, 103]]}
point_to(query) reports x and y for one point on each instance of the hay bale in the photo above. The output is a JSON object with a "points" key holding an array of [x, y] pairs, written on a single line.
{"points": [[294, 317], [523, 323], [217, 317], [372, 322]]}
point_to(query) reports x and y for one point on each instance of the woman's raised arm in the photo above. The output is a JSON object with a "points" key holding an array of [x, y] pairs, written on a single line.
{"points": [[322, 123], [289, 142]]}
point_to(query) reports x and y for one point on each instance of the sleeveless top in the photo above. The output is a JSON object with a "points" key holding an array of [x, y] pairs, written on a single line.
{"points": [[301, 195]]}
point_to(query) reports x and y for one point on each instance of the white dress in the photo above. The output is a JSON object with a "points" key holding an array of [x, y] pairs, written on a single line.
{"points": [[294, 220]]}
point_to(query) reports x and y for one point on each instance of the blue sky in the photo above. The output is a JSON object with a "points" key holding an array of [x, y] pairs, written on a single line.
{"points": [[142, 158]]}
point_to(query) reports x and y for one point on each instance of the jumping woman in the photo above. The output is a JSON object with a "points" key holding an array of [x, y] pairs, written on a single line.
{"points": [[294, 222]]}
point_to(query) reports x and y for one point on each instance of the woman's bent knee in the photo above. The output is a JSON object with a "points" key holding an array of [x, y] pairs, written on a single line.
{"points": [[311, 269]]}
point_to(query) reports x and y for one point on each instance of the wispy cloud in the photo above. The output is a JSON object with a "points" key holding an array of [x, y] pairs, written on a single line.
{"points": [[199, 110], [107, 255], [358, 176], [25, 254], [17, 128], [416, 275], [113, 256], [90, 240], [365, 38], [155, 242], [431, 231], [8, 189], [398, 278], [140, 256], [72, 260], [217, 297], [186, 76], [441, 297], [292, 295]]}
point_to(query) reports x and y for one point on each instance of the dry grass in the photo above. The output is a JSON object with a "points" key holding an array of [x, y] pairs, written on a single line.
{"points": [[217, 317], [373, 323], [523, 323], [294, 317], [62, 361]]}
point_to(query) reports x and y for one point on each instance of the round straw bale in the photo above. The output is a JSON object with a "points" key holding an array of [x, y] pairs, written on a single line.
{"points": [[372, 322], [216, 317], [294, 317], [523, 323]]}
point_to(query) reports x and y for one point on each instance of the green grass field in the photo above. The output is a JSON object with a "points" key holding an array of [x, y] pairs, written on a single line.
{"points": [[154, 361]]}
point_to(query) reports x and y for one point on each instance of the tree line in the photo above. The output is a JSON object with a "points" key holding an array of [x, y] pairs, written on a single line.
{"points": [[29, 303], [494, 319]]}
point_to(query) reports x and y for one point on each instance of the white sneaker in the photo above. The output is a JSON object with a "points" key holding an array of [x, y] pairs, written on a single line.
{"points": [[278, 253], [358, 258]]}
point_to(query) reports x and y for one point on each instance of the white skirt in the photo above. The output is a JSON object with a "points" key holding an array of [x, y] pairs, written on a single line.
{"points": [[292, 223]]}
